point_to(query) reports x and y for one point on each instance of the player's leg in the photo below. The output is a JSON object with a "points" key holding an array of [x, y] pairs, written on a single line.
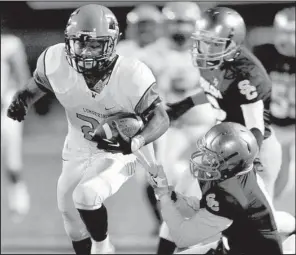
{"points": [[285, 222], [166, 245], [271, 158], [18, 196], [73, 170], [103, 177]]}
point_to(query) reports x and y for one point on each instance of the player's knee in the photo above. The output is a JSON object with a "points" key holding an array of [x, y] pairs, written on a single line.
{"points": [[74, 230], [87, 196]]}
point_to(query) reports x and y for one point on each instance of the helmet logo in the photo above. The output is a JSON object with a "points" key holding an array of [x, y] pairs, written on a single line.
{"points": [[72, 15]]}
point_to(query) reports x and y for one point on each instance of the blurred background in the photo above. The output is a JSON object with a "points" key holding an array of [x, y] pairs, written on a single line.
{"points": [[131, 219]]}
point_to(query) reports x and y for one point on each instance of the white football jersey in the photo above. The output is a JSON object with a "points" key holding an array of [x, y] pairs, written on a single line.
{"points": [[14, 67], [85, 108]]}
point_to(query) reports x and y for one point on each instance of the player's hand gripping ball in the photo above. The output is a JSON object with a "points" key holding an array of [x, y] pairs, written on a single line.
{"points": [[115, 133]]}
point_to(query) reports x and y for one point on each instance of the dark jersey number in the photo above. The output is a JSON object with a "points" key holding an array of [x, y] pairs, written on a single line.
{"points": [[88, 131]]}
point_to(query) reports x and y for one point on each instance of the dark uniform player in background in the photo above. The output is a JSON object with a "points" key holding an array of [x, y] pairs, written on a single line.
{"points": [[232, 200], [278, 57], [235, 83]]}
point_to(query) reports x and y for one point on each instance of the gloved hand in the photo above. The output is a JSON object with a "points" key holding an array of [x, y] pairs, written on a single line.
{"points": [[122, 144], [18, 108], [159, 182]]}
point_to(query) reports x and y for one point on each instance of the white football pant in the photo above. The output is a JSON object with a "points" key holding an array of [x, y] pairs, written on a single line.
{"points": [[86, 181]]}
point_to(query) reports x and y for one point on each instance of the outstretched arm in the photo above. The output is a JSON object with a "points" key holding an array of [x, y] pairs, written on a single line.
{"points": [[177, 109], [35, 88], [24, 99], [186, 230]]}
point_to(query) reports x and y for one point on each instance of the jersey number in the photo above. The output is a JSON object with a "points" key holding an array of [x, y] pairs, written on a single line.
{"points": [[87, 130], [283, 101], [220, 114], [247, 89], [212, 203]]}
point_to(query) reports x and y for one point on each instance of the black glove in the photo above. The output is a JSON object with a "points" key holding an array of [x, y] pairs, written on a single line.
{"points": [[176, 110], [108, 146], [121, 145], [18, 108], [124, 141]]}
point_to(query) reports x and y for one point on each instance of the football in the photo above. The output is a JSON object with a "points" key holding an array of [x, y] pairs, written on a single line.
{"points": [[128, 123]]}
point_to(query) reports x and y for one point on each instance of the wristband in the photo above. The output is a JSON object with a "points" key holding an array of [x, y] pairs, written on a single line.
{"points": [[137, 142]]}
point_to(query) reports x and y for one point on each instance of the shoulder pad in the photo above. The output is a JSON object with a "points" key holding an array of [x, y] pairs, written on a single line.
{"points": [[55, 56]]}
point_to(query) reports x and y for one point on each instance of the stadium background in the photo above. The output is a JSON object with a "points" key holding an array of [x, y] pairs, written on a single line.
{"points": [[39, 25]]}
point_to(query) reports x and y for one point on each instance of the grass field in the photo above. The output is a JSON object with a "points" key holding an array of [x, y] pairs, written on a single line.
{"points": [[130, 219]]}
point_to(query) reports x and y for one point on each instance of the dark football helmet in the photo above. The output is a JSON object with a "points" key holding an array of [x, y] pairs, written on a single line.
{"points": [[144, 24], [218, 36], [226, 150], [284, 24], [90, 38], [180, 19]]}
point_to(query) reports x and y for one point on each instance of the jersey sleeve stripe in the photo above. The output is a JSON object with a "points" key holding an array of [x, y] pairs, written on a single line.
{"points": [[43, 88], [148, 103], [44, 65]]}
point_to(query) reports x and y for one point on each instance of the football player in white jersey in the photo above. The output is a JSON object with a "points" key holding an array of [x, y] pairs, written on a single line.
{"points": [[144, 26], [14, 71], [92, 82]]}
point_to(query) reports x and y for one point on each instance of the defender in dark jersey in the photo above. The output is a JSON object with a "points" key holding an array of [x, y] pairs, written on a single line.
{"points": [[282, 70], [235, 83], [232, 200]]}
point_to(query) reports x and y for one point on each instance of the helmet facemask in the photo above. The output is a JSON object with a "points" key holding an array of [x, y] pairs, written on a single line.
{"points": [[209, 51], [205, 164], [83, 63]]}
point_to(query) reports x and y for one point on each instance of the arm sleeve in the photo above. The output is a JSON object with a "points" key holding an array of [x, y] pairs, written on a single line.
{"points": [[253, 89], [39, 74], [258, 135], [187, 232], [143, 94], [254, 115]]}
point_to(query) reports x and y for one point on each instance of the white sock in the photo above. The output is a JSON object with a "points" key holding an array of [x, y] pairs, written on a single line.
{"points": [[101, 247]]}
